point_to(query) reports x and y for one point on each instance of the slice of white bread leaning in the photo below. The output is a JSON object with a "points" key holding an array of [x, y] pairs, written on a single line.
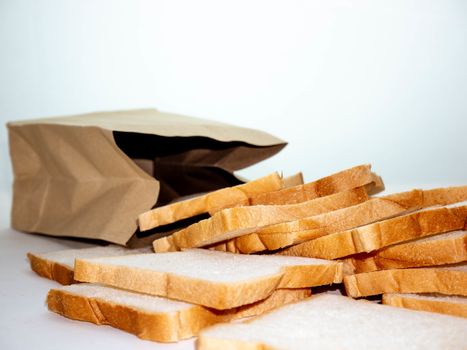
{"points": [[151, 317], [449, 305], [59, 265], [335, 322], [210, 202], [368, 238], [292, 180], [213, 279], [446, 248], [448, 280], [379, 208], [238, 221], [344, 180]]}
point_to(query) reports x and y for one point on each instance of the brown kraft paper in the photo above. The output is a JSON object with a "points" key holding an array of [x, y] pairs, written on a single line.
{"points": [[89, 176]]}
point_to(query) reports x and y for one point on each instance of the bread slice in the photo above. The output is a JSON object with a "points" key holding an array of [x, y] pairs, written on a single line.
{"points": [[449, 280], [449, 305], [447, 248], [59, 265], [213, 279], [335, 322], [150, 317], [291, 181], [381, 234], [345, 180], [209, 203], [294, 232], [281, 235], [241, 220]]}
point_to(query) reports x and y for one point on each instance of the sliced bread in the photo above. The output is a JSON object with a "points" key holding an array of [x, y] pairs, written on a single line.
{"points": [[238, 221], [447, 248], [330, 322], [208, 203], [381, 234], [449, 280], [295, 232], [151, 317], [345, 180], [282, 235], [213, 279], [449, 305], [59, 265]]}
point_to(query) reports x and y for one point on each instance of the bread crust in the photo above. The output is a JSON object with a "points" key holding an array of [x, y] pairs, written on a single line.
{"points": [[301, 231], [238, 221], [163, 326], [381, 234], [209, 203], [285, 234], [451, 250], [442, 306], [345, 180], [216, 295], [417, 280], [63, 274]]}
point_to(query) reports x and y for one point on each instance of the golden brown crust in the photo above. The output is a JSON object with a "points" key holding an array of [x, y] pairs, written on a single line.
{"points": [[444, 196], [51, 270], [239, 221], [376, 185], [342, 181], [218, 295], [384, 233], [295, 232], [442, 305], [281, 235], [419, 280], [413, 254], [208, 203], [278, 298], [161, 327]]}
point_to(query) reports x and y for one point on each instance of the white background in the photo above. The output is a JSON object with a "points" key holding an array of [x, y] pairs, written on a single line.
{"points": [[345, 82]]}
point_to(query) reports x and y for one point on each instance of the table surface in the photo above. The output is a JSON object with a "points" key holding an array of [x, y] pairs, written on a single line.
{"points": [[25, 322]]}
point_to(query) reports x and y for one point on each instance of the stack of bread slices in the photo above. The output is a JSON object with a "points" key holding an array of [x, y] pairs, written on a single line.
{"points": [[269, 243]]}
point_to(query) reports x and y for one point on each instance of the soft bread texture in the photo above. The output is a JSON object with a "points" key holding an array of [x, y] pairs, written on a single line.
{"points": [[454, 306], [213, 279], [447, 248], [449, 280], [238, 221], [381, 234], [209, 203], [330, 322], [282, 235], [59, 265], [150, 317], [345, 180]]}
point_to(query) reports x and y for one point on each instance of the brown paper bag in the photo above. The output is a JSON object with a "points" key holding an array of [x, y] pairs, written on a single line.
{"points": [[90, 175]]}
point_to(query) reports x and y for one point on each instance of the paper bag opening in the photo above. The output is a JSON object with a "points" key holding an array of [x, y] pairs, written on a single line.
{"points": [[82, 176]]}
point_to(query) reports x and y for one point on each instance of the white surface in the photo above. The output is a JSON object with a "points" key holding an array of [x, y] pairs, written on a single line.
{"points": [[345, 82], [25, 322]]}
